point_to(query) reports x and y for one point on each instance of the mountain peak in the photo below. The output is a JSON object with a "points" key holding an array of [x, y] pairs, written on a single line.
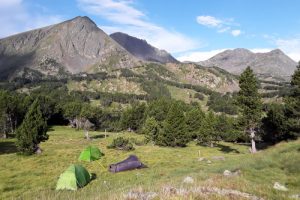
{"points": [[141, 49], [81, 19], [274, 63], [77, 45], [276, 51]]}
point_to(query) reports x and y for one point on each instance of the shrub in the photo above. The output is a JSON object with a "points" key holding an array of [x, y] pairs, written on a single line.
{"points": [[199, 96], [121, 143]]}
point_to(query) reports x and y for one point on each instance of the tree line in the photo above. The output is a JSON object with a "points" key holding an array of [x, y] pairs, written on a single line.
{"points": [[164, 121]]}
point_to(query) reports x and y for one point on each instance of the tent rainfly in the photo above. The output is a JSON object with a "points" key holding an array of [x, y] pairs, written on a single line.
{"points": [[91, 153], [132, 162], [74, 177]]}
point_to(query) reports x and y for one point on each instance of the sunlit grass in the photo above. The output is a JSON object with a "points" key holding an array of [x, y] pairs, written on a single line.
{"points": [[35, 176]]}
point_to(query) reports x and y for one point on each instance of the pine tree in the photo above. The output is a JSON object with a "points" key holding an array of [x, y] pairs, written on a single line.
{"points": [[274, 124], [32, 131], [292, 103], [72, 112], [174, 128], [133, 118], [194, 121], [225, 128], [151, 129], [249, 102], [208, 133]]}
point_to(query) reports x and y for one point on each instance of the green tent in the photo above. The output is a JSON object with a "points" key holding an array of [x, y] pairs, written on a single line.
{"points": [[91, 153], [74, 177]]}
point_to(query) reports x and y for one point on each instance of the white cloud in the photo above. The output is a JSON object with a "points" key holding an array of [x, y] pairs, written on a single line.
{"points": [[223, 30], [236, 33], [221, 25], [199, 55], [128, 19], [290, 46], [15, 17], [209, 21], [9, 3]]}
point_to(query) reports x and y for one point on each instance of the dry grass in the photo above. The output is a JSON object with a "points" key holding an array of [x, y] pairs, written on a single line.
{"points": [[35, 177]]}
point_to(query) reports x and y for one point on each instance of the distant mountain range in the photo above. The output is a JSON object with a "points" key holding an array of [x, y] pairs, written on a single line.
{"points": [[141, 49], [272, 64], [80, 46]]}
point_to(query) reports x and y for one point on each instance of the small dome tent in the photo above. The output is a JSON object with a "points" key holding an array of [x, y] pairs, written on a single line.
{"points": [[73, 178], [91, 153]]}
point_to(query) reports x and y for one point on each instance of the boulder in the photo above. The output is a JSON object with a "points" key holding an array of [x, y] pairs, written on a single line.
{"points": [[188, 180], [227, 173], [232, 173], [278, 186]]}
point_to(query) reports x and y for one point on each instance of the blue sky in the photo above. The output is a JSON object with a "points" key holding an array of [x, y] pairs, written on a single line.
{"points": [[191, 29]]}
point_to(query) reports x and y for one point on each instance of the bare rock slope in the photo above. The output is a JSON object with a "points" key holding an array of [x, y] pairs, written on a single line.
{"points": [[76, 45], [142, 50], [274, 63]]}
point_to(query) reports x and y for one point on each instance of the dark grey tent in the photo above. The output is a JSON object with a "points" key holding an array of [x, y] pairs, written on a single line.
{"points": [[132, 162]]}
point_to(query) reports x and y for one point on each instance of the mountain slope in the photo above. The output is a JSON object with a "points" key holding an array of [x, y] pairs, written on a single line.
{"points": [[76, 45], [141, 49], [274, 63]]}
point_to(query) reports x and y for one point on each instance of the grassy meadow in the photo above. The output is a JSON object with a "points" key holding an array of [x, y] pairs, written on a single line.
{"points": [[35, 177]]}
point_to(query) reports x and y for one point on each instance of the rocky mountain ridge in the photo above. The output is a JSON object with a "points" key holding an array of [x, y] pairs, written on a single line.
{"points": [[271, 64], [76, 45], [141, 49]]}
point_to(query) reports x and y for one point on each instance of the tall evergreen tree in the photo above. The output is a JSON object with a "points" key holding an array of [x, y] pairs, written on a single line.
{"points": [[274, 124], [194, 121], [249, 102], [292, 102], [174, 128], [133, 118], [208, 133], [151, 129], [159, 109], [32, 131], [226, 128]]}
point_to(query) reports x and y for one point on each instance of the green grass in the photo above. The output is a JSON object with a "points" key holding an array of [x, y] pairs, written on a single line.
{"points": [[35, 177]]}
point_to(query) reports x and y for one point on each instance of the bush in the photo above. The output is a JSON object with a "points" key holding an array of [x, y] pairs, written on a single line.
{"points": [[121, 143], [199, 96]]}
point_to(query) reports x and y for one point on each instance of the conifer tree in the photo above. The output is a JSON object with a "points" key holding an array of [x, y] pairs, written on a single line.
{"points": [[208, 133], [133, 118], [194, 121], [292, 102], [151, 129], [32, 131], [174, 128], [249, 102]]}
